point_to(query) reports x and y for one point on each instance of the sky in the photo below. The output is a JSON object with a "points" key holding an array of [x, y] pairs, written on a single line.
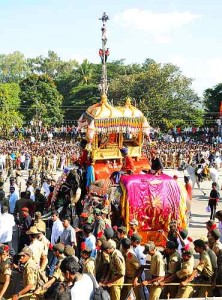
{"points": [[186, 33]]}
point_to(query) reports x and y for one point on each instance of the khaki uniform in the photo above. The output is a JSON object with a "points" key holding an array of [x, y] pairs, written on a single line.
{"points": [[89, 266], [173, 266], [40, 225], [102, 263], [132, 265], [185, 271], [5, 269], [117, 268], [157, 269], [37, 248], [30, 275], [206, 269], [58, 273]]}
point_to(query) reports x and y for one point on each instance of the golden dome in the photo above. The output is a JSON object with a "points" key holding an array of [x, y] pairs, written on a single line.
{"points": [[130, 111], [103, 110]]}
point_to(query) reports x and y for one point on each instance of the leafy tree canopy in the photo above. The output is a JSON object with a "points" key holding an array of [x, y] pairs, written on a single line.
{"points": [[40, 99], [9, 106]]}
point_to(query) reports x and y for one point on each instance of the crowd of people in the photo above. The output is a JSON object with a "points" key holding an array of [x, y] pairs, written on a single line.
{"points": [[55, 250]]}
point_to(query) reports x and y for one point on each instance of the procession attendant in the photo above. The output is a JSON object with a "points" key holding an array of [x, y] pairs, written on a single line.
{"points": [[83, 159], [213, 200], [30, 274], [186, 270], [173, 265], [5, 269], [132, 265], [117, 269], [203, 271], [157, 271], [156, 164], [127, 162]]}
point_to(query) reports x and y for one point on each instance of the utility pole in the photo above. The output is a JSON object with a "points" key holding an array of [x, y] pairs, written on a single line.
{"points": [[104, 53]]}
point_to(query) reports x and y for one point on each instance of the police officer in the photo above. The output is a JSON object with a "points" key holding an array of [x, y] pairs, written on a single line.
{"points": [[186, 270], [173, 265], [203, 271], [214, 239], [157, 271], [30, 274], [116, 270], [5, 269], [132, 265]]}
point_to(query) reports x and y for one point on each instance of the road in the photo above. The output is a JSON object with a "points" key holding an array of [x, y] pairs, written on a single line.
{"points": [[197, 228]]}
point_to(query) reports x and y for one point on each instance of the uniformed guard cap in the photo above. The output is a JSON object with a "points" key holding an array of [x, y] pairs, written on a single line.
{"points": [[187, 250], [215, 234], [109, 233], [122, 229], [171, 245], [106, 245], [38, 214], [148, 247], [69, 251], [59, 247], [33, 230], [26, 250], [199, 243], [126, 243], [136, 237]]}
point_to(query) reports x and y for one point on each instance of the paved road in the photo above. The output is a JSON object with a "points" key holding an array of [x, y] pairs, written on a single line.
{"points": [[197, 226]]}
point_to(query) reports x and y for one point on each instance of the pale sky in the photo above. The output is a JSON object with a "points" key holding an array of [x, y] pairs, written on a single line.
{"points": [[184, 32]]}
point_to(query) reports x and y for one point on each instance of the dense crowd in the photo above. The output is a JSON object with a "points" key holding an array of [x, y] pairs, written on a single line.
{"points": [[59, 256]]}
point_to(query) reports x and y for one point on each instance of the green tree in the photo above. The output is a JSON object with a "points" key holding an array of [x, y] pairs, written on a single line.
{"points": [[212, 102], [162, 93], [52, 65], [41, 100], [13, 67], [9, 107]]}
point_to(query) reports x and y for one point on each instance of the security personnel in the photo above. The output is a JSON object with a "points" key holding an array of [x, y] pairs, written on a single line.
{"points": [[116, 270], [5, 269], [87, 262], [138, 251], [36, 246], [132, 266], [173, 265], [186, 270], [203, 271], [30, 274], [214, 240], [157, 270]]}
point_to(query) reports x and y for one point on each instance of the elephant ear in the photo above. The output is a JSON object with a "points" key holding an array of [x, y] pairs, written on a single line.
{"points": [[75, 197]]}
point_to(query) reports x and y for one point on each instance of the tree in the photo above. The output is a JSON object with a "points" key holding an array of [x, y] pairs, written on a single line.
{"points": [[162, 93], [41, 100], [52, 65], [212, 102], [9, 107], [13, 67]]}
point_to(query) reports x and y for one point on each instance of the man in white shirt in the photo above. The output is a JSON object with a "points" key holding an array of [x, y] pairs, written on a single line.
{"points": [[7, 223], [57, 228], [70, 268]]}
